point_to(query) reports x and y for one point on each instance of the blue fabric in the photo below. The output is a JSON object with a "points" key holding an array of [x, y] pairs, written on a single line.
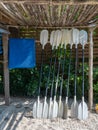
{"points": [[21, 53]]}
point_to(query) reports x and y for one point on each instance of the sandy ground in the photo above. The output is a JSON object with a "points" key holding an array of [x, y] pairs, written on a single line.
{"points": [[18, 116]]}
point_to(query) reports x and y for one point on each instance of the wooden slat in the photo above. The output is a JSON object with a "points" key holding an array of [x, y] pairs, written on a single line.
{"points": [[84, 15], [74, 9], [64, 17], [90, 14], [32, 14], [6, 70], [9, 13], [82, 12], [29, 33], [91, 69], [47, 14], [52, 2], [77, 14], [50, 14]]}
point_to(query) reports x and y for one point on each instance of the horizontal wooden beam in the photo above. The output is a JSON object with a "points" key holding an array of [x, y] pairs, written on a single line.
{"points": [[51, 2], [1, 61], [51, 27]]}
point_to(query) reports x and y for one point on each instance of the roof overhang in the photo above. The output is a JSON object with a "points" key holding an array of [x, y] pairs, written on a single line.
{"points": [[49, 13]]}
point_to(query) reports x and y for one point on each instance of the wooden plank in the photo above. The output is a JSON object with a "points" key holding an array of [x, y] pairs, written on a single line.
{"points": [[5, 69], [74, 15], [90, 94], [95, 62], [9, 12], [52, 2], [64, 16], [20, 13], [92, 14], [47, 13], [3, 15], [82, 12], [85, 14], [5, 20]]}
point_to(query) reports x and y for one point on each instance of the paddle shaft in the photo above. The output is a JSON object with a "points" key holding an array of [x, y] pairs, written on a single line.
{"points": [[41, 69], [49, 74], [76, 72], [53, 76], [57, 79], [69, 72], [83, 71], [62, 72]]}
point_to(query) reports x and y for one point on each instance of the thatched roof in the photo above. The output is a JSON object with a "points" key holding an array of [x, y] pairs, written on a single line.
{"points": [[48, 13]]}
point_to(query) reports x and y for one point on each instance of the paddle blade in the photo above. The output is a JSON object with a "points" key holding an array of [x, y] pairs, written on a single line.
{"points": [[83, 37], [37, 109], [59, 36], [55, 109], [55, 39], [74, 110], [45, 110], [65, 37], [50, 109], [60, 109], [65, 112], [34, 110], [44, 37], [82, 111], [76, 36], [70, 38], [52, 38], [67, 40]]}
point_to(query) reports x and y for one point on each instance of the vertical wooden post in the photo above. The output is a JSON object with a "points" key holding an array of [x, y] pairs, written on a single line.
{"points": [[90, 94], [5, 69]]}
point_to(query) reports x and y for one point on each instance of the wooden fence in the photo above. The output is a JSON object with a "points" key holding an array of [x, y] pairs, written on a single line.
{"points": [[31, 33], [36, 34]]}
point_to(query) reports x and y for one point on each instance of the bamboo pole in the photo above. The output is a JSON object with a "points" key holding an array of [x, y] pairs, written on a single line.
{"points": [[90, 92], [50, 27], [52, 2], [5, 69]]}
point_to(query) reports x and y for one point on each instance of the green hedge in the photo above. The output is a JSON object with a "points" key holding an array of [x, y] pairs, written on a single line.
{"points": [[24, 82]]}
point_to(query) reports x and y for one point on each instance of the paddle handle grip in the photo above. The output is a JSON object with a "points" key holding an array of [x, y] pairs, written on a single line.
{"points": [[63, 67], [41, 69], [69, 72], [83, 72], [49, 75], [76, 71], [53, 76]]}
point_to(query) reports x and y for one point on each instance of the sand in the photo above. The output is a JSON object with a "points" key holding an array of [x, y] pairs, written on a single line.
{"points": [[18, 116]]}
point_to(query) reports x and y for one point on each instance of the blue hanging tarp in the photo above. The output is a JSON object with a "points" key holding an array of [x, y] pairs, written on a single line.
{"points": [[21, 53]]}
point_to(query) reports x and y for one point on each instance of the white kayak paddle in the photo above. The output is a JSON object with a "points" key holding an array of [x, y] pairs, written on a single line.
{"points": [[70, 41], [38, 105], [64, 42], [74, 106], [46, 107], [53, 44], [83, 109], [55, 104]]}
